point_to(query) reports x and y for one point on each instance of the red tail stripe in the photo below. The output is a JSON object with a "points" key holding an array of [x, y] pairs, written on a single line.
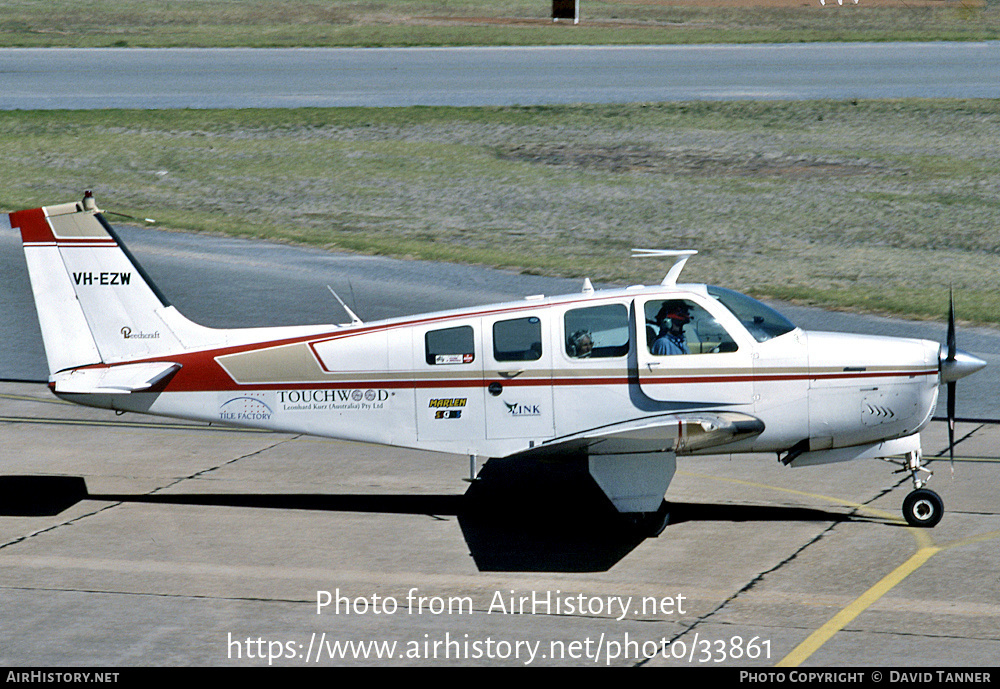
{"points": [[34, 226]]}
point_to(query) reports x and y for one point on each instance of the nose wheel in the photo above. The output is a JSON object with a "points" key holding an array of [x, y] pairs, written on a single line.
{"points": [[923, 508]]}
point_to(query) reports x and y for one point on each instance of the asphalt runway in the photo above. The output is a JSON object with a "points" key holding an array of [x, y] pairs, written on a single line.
{"points": [[48, 78], [135, 541]]}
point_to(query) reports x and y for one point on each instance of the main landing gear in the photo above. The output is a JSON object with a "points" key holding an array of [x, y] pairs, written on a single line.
{"points": [[922, 507]]}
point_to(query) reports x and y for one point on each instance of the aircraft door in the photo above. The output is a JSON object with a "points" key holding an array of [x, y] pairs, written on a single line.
{"points": [[449, 365], [688, 352], [518, 377]]}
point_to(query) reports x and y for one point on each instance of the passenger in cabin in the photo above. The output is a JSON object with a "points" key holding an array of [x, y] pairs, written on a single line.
{"points": [[580, 345], [672, 317]]}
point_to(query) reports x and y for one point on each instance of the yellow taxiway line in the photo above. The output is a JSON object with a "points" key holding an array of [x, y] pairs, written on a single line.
{"points": [[926, 549]]}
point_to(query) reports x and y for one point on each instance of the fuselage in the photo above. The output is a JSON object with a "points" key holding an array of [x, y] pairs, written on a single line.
{"points": [[491, 381]]}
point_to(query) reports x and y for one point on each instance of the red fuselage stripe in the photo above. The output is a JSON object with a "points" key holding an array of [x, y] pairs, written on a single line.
{"points": [[191, 383]]}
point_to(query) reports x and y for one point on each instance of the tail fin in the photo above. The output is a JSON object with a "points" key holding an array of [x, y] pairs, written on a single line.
{"points": [[95, 304]]}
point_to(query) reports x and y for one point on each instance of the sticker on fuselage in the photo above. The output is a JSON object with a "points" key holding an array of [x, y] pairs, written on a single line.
{"points": [[448, 414], [245, 409], [448, 402], [454, 359], [523, 409], [333, 400]]}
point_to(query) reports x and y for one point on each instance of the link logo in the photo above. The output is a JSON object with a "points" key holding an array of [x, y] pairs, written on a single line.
{"points": [[523, 409]]}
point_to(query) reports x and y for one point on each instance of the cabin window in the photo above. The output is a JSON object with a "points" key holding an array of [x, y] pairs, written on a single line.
{"points": [[450, 346], [680, 326], [597, 332], [519, 339]]}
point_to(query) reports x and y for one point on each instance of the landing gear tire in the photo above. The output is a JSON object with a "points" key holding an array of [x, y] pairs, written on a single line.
{"points": [[650, 524], [923, 508]]}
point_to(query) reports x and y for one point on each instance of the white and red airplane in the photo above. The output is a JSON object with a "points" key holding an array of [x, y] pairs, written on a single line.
{"points": [[627, 379]]}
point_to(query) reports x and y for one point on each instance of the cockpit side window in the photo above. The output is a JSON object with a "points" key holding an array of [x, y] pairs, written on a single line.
{"points": [[763, 322], [597, 332], [680, 326]]}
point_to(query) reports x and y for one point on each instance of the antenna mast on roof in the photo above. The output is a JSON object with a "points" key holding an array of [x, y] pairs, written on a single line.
{"points": [[681, 256]]}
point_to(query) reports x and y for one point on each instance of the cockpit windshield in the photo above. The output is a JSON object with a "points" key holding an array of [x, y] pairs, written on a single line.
{"points": [[763, 322]]}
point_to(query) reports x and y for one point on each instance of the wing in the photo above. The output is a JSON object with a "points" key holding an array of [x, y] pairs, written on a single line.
{"points": [[634, 461]]}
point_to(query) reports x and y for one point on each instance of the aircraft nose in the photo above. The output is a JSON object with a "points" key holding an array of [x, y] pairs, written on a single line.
{"points": [[963, 364]]}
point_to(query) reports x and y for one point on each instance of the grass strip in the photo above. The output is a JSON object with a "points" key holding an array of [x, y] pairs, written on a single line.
{"points": [[294, 23], [872, 205]]}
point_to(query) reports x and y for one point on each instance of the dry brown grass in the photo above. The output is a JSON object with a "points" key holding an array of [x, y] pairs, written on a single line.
{"points": [[264, 23], [879, 205]]}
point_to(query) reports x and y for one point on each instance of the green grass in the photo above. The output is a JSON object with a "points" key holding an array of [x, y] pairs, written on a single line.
{"points": [[874, 205], [271, 23]]}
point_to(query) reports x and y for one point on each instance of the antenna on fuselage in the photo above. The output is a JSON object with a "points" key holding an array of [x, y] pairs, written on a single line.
{"points": [[354, 317], [681, 256]]}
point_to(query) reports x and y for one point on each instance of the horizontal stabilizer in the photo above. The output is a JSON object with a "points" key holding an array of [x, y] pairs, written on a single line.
{"points": [[123, 378]]}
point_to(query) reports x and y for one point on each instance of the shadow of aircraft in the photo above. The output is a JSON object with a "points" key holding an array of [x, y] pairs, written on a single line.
{"points": [[547, 515], [40, 496], [537, 516]]}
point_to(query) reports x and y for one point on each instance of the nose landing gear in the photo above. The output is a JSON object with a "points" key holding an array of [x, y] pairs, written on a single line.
{"points": [[922, 507]]}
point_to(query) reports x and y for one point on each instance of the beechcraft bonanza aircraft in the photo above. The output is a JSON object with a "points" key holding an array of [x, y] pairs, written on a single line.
{"points": [[627, 378]]}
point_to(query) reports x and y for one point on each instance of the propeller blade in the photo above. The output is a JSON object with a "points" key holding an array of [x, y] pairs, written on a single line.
{"points": [[951, 424], [954, 364], [952, 349]]}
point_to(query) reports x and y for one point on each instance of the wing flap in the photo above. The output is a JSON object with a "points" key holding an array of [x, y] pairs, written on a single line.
{"points": [[678, 433]]}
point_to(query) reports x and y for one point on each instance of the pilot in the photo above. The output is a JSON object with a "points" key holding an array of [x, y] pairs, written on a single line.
{"points": [[580, 344], [672, 317]]}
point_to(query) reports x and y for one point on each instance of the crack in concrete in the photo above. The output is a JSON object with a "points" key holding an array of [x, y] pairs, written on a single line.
{"points": [[197, 474], [760, 577]]}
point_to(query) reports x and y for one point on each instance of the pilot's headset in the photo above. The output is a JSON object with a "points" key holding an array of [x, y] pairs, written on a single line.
{"points": [[677, 310], [574, 342]]}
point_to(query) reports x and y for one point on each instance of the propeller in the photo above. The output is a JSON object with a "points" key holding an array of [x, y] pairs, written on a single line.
{"points": [[950, 360], [955, 364]]}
